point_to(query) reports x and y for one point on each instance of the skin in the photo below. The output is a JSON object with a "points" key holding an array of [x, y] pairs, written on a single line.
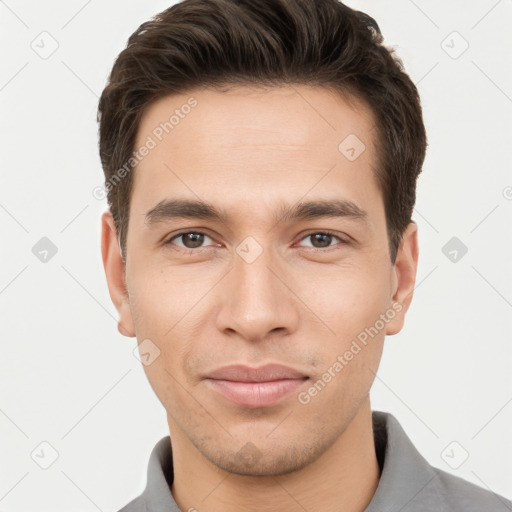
{"points": [[248, 151]]}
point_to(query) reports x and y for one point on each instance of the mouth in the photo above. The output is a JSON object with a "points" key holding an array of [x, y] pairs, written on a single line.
{"points": [[255, 387]]}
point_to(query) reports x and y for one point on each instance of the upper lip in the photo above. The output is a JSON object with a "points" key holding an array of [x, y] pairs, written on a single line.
{"points": [[266, 373]]}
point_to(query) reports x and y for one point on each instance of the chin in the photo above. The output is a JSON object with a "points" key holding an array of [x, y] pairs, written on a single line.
{"points": [[250, 460]]}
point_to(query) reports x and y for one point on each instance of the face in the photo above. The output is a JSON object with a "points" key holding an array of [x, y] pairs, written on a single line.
{"points": [[289, 265]]}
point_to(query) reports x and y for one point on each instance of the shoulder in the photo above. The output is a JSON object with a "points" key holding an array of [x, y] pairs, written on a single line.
{"points": [[410, 484], [136, 505], [459, 494]]}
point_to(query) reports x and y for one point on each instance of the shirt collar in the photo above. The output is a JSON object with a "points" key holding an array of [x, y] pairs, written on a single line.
{"points": [[406, 477]]}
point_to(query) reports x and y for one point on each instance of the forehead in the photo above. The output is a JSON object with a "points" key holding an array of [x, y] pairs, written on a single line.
{"points": [[252, 145], [257, 115]]}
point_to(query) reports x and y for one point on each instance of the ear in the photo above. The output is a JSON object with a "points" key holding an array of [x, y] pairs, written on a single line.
{"points": [[404, 277], [115, 274]]}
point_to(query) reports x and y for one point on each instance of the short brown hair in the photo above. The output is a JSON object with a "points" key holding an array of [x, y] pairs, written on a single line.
{"points": [[208, 43]]}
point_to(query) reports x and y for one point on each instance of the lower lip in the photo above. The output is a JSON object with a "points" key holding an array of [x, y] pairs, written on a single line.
{"points": [[256, 394]]}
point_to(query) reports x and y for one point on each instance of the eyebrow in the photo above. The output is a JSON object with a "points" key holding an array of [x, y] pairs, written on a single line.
{"points": [[169, 209]]}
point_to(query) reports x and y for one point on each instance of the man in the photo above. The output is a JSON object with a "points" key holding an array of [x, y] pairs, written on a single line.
{"points": [[261, 160]]}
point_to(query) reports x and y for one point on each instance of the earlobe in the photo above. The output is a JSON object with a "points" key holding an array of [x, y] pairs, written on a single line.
{"points": [[115, 274], [404, 270]]}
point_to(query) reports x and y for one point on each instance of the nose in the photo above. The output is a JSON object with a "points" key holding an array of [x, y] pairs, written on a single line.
{"points": [[257, 299]]}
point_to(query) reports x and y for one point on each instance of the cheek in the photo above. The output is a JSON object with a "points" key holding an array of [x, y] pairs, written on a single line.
{"points": [[350, 302], [349, 364], [168, 309], [346, 298], [163, 299]]}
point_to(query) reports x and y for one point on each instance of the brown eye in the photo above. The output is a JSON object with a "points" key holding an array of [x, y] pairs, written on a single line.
{"points": [[189, 240], [322, 239]]}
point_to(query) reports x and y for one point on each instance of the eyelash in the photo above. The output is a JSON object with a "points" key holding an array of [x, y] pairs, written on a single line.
{"points": [[199, 249]]}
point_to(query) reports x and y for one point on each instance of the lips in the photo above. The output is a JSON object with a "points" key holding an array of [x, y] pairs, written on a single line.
{"points": [[255, 387], [267, 373]]}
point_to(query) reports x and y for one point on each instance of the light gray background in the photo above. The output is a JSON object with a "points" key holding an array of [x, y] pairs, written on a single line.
{"points": [[71, 380]]}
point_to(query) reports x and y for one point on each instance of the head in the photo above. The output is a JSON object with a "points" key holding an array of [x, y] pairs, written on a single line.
{"points": [[260, 161]]}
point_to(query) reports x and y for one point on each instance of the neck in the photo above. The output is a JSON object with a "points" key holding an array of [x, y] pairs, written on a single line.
{"points": [[345, 477]]}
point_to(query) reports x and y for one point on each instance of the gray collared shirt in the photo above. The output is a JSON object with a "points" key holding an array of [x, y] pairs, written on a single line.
{"points": [[408, 483]]}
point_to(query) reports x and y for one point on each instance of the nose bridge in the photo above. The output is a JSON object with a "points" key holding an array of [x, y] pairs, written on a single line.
{"points": [[258, 302], [254, 278]]}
